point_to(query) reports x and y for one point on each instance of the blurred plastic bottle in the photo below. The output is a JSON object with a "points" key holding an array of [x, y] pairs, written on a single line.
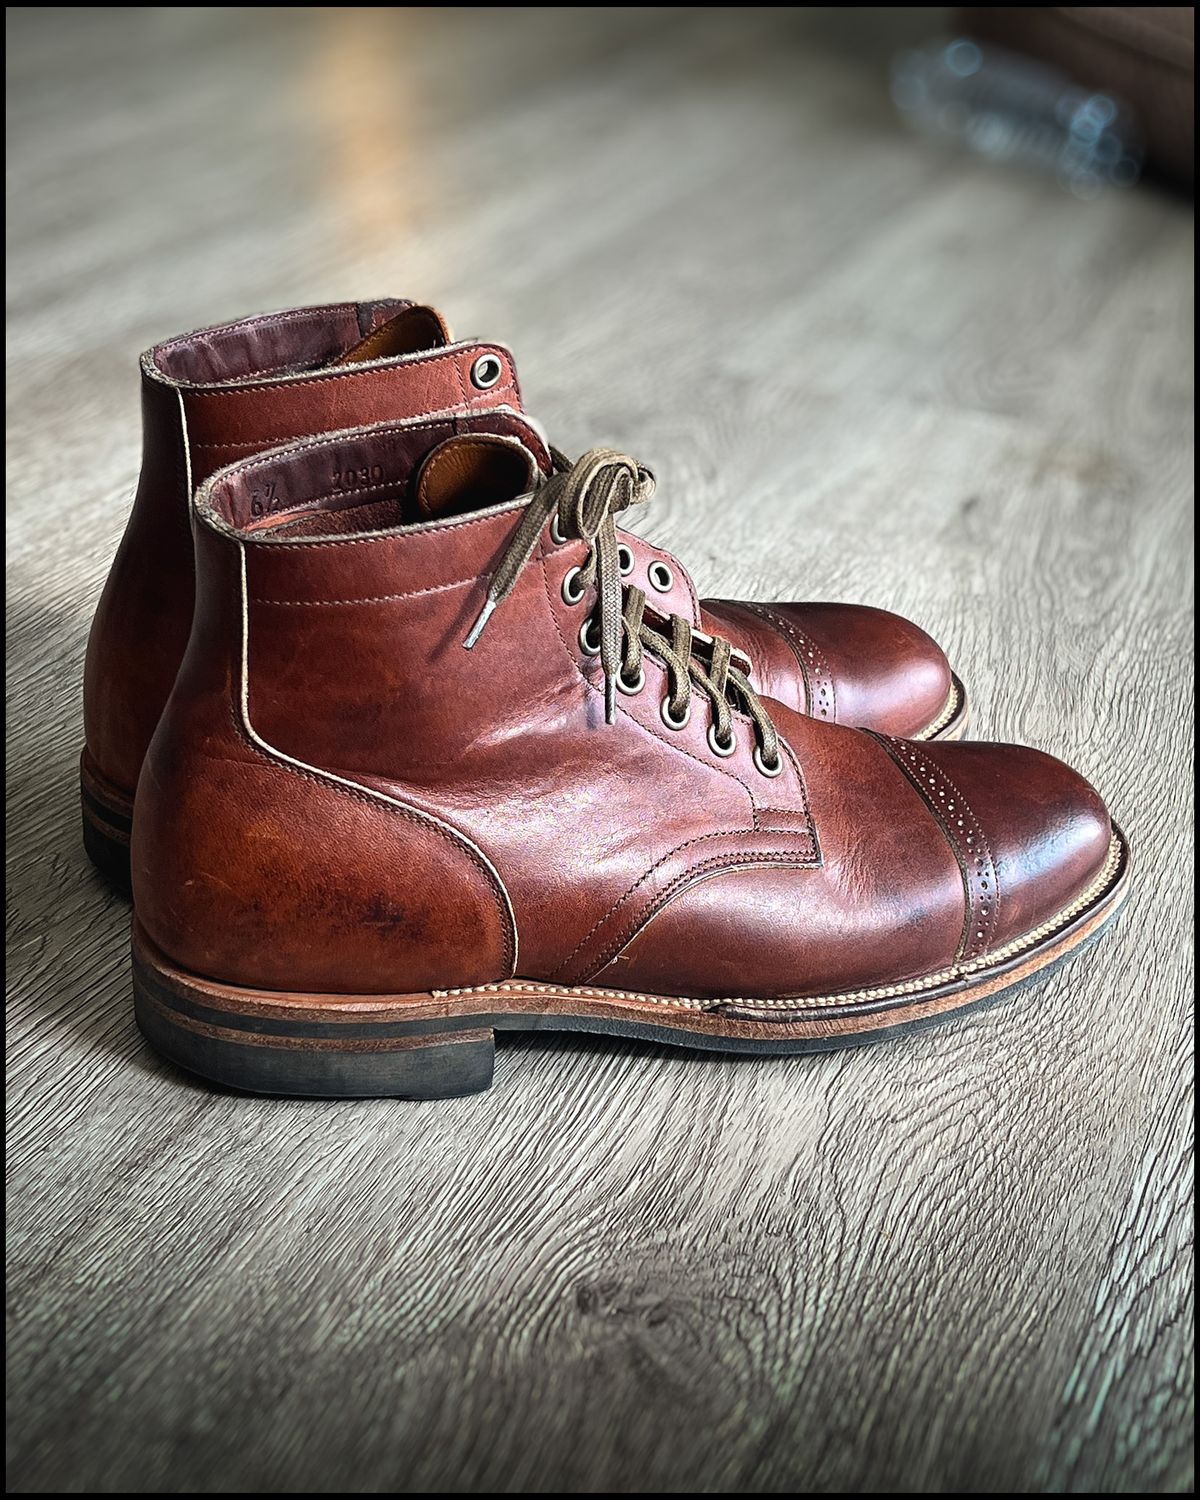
{"points": [[1010, 108]]}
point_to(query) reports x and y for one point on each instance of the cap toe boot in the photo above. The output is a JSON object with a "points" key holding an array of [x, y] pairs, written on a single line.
{"points": [[435, 767]]}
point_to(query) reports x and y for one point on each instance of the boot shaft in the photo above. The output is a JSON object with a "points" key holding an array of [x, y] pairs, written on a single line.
{"points": [[221, 395], [250, 860]]}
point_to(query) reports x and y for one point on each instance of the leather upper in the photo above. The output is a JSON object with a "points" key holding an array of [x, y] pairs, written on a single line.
{"points": [[327, 700], [209, 398], [222, 394], [847, 663]]}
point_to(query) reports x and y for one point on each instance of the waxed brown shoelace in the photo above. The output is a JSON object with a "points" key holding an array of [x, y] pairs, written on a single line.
{"points": [[584, 497]]}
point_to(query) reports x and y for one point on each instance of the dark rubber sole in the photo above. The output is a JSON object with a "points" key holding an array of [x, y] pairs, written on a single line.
{"points": [[441, 1044]]}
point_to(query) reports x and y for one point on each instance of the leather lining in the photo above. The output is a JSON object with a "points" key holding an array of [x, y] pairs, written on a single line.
{"points": [[304, 339]]}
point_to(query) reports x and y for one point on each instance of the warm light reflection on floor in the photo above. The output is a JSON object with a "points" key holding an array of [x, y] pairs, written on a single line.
{"points": [[358, 87]]}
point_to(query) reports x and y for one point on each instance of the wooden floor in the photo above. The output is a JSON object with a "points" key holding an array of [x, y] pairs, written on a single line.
{"points": [[863, 369]]}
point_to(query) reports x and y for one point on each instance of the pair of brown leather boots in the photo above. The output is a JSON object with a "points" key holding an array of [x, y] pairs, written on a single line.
{"points": [[426, 747]]}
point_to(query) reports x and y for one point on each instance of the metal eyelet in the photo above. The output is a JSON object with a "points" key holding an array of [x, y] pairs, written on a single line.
{"points": [[486, 372], [585, 642], [761, 766], [630, 689], [569, 593], [625, 560], [715, 745], [556, 535], [669, 720], [660, 577]]}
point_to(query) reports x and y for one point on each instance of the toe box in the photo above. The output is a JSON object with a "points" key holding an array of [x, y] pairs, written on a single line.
{"points": [[844, 663], [888, 674], [1047, 833]]}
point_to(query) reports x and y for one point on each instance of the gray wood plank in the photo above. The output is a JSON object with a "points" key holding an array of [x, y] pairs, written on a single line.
{"points": [[862, 368]]}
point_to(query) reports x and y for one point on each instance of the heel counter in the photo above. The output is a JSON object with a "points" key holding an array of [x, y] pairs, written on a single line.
{"points": [[260, 873], [140, 629], [254, 869]]}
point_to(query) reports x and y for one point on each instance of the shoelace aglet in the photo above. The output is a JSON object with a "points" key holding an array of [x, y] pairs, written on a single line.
{"points": [[610, 698], [485, 614]]}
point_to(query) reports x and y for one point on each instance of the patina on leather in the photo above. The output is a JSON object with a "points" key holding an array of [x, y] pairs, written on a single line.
{"points": [[340, 797], [222, 394]]}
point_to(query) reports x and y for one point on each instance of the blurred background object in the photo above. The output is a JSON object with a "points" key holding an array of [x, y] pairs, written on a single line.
{"points": [[1142, 54], [1007, 107]]}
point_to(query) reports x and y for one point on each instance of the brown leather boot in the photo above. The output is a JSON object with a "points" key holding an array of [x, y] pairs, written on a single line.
{"points": [[226, 393], [433, 768]]}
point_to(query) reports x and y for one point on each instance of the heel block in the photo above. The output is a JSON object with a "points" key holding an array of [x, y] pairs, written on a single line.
{"points": [[310, 1046]]}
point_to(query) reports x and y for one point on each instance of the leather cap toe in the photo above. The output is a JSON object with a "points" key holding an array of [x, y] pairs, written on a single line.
{"points": [[888, 674], [1047, 831]]}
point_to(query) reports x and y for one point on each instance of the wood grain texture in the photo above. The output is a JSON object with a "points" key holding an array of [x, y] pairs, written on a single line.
{"points": [[862, 369]]}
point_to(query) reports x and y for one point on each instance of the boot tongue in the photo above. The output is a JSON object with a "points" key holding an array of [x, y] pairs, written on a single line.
{"points": [[411, 331], [470, 472]]}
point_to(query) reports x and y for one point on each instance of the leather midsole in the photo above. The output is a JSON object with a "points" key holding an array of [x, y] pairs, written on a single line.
{"points": [[951, 723]]}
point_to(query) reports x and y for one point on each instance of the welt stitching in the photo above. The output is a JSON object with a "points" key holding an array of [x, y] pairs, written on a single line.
{"points": [[426, 364], [756, 856], [700, 838]]}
